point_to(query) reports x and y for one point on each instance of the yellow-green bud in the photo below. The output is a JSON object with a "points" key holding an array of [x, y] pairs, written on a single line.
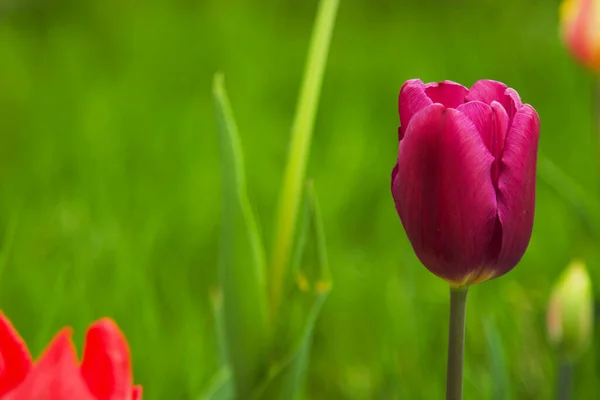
{"points": [[571, 312]]}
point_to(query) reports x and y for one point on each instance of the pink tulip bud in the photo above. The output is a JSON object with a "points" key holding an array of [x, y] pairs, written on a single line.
{"points": [[580, 29], [464, 181]]}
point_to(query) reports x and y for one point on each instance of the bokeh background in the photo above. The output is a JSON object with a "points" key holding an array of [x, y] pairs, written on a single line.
{"points": [[110, 185]]}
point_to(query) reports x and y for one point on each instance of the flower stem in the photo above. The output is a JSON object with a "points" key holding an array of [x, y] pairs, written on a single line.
{"points": [[565, 379], [456, 343]]}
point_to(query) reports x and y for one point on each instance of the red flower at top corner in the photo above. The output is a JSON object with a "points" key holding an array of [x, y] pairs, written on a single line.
{"points": [[104, 373]]}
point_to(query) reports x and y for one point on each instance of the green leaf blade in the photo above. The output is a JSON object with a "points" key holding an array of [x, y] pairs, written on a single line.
{"points": [[242, 260], [299, 150], [313, 283], [497, 360], [221, 386]]}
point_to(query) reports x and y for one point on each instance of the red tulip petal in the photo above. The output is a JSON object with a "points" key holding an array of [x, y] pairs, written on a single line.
{"points": [[15, 360], [516, 187], [411, 100], [55, 376], [106, 365], [136, 393], [444, 194], [447, 93], [580, 31]]}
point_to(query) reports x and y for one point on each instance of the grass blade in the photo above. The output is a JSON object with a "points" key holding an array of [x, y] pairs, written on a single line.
{"points": [[242, 261], [302, 128], [221, 386], [499, 370], [295, 332]]}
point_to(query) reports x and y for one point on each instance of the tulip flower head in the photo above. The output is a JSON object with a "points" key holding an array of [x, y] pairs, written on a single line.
{"points": [[464, 180], [103, 374], [571, 312], [580, 30]]}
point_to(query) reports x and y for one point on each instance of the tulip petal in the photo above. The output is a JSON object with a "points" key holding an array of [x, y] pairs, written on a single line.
{"points": [[516, 187], [594, 36], [136, 393], [15, 360], [443, 192], [501, 126], [579, 29], [482, 117], [394, 173], [106, 365], [55, 376], [411, 100], [488, 91], [447, 93], [491, 121], [513, 104]]}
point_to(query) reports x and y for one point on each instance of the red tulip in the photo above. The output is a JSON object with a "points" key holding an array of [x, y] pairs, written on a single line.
{"points": [[104, 373], [580, 30], [464, 181]]}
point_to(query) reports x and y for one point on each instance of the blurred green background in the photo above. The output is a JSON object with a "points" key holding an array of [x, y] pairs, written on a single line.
{"points": [[110, 185]]}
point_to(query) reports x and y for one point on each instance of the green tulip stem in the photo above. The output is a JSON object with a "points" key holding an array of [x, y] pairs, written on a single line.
{"points": [[456, 343], [565, 380]]}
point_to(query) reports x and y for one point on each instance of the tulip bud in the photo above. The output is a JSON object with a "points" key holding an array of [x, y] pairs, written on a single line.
{"points": [[580, 30], [464, 180], [571, 311]]}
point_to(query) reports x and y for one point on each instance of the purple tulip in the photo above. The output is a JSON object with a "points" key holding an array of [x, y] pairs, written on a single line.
{"points": [[464, 182]]}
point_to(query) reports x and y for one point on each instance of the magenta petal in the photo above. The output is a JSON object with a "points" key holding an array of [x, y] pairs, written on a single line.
{"points": [[487, 91], [394, 173], [401, 130], [482, 117], [513, 102], [516, 187], [444, 194], [501, 124], [411, 100], [448, 93]]}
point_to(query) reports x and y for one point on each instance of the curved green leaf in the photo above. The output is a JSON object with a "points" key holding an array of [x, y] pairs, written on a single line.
{"points": [[302, 129], [499, 370], [221, 386], [303, 304], [242, 260]]}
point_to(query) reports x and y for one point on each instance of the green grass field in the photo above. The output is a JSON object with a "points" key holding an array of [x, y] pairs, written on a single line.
{"points": [[110, 185]]}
